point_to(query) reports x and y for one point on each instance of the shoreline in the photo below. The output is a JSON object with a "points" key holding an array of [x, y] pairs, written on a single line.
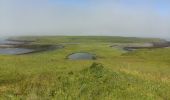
{"points": [[135, 46], [24, 44]]}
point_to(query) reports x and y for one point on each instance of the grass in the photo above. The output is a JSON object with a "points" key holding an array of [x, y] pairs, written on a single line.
{"points": [[115, 75], [87, 39]]}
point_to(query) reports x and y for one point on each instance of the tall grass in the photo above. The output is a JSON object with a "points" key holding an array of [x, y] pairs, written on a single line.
{"points": [[114, 75]]}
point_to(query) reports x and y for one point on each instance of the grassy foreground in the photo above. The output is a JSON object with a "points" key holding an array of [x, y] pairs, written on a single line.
{"points": [[114, 75]]}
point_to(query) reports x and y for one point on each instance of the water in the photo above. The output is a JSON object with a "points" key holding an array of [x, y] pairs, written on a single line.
{"points": [[12, 51], [5, 41], [167, 39], [128, 49], [15, 51], [81, 56], [2, 40]]}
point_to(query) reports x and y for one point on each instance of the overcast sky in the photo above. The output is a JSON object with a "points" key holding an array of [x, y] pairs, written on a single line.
{"points": [[146, 18]]}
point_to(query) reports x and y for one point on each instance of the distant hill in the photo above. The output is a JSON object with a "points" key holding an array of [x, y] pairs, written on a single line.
{"points": [[87, 39]]}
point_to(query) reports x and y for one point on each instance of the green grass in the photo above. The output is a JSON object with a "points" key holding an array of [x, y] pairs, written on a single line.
{"points": [[115, 75], [88, 39]]}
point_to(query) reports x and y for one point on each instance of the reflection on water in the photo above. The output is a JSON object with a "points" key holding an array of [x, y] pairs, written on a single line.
{"points": [[12, 51], [2, 40], [81, 56], [5, 41], [167, 39], [15, 50]]}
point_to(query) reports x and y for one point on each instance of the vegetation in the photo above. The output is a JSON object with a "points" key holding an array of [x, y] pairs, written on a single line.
{"points": [[114, 75], [87, 39]]}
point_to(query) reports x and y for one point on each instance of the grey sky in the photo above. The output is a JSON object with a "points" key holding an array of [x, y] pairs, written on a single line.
{"points": [[146, 18]]}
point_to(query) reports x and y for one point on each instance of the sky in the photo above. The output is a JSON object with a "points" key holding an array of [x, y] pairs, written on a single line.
{"points": [[134, 18]]}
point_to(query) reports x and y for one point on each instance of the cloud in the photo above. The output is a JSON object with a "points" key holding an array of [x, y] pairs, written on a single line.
{"points": [[102, 17]]}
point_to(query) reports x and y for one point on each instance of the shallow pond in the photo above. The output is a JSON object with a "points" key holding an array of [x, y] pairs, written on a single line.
{"points": [[15, 51], [81, 56], [8, 49], [6, 41], [127, 49], [21, 47]]}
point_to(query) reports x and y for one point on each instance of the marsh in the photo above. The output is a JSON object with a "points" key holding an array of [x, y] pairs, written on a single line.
{"points": [[81, 56], [17, 47]]}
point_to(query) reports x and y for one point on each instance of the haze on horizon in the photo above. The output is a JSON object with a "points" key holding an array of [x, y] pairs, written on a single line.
{"points": [[142, 18]]}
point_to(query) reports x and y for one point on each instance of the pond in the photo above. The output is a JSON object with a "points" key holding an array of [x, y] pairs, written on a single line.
{"points": [[5, 41], [81, 56], [15, 51], [16, 48], [127, 49], [8, 47]]}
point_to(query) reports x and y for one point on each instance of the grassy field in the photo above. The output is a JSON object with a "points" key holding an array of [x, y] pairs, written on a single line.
{"points": [[114, 75]]}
